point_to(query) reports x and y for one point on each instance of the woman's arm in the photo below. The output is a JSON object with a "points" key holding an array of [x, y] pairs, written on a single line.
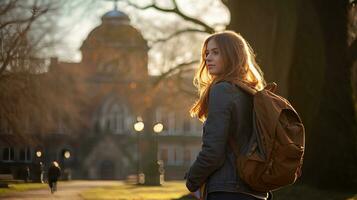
{"points": [[215, 136]]}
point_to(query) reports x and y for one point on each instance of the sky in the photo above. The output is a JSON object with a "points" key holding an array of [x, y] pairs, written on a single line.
{"points": [[78, 19]]}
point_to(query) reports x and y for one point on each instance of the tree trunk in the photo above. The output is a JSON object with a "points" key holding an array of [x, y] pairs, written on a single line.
{"points": [[332, 138], [303, 46], [269, 27]]}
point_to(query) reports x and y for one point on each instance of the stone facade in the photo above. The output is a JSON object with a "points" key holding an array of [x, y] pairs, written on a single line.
{"points": [[116, 90]]}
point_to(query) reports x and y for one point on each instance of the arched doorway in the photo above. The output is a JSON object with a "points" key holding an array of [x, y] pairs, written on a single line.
{"points": [[107, 170]]}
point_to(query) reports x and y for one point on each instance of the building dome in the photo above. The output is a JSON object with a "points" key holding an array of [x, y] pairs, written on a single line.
{"points": [[115, 16], [115, 32]]}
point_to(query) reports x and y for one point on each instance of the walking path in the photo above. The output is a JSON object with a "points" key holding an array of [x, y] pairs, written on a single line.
{"points": [[65, 190]]}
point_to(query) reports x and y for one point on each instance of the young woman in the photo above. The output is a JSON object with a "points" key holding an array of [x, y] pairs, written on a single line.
{"points": [[225, 109]]}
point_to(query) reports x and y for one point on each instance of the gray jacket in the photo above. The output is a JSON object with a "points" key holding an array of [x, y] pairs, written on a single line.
{"points": [[229, 111]]}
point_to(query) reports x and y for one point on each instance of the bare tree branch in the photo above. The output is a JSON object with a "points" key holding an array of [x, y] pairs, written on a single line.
{"points": [[177, 11], [9, 53], [26, 93], [187, 89], [17, 21], [177, 33], [8, 7], [36, 13], [173, 70]]}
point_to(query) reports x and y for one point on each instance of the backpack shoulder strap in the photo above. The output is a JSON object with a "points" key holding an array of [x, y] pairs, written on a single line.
{"points": [[270, 86], [252, 91], [246, 88]]}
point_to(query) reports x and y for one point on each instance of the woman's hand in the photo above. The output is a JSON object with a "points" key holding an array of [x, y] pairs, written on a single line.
{"points": [[197, 194]]}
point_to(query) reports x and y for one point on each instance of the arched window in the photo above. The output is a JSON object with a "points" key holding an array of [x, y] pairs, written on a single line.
{"points": [[109, 67], [114, 117]]}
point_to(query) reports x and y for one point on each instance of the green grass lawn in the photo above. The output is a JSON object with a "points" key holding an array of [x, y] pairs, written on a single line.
{"points": [[176, 190], [18, 187], [169, 190]]}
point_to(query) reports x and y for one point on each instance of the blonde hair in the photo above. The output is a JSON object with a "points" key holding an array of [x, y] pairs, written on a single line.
{"points": [[239, 66]]}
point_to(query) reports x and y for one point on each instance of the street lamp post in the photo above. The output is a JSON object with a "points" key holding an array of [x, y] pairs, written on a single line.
{"points": [[67, 172], [138, 127], [151, 167], [150, 150], [157, 128], [37, 167]]}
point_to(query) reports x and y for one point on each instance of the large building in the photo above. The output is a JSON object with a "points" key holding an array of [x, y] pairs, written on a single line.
{"points": [[116, 91]]}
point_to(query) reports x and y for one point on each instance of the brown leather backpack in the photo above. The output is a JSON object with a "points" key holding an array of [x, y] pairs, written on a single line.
{"points": [[274, 154]]}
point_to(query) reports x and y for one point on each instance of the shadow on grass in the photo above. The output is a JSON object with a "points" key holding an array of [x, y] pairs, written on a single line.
{"points": [[302, 192]]}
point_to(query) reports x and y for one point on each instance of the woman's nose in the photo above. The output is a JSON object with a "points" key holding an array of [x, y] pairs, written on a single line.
{"points": [[208, 57]]}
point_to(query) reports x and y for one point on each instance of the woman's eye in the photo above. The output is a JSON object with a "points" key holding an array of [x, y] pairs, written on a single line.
{"points": [[215, 52]]}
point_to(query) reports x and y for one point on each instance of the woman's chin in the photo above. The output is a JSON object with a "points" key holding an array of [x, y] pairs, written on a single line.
{"points": [[213, 73]]}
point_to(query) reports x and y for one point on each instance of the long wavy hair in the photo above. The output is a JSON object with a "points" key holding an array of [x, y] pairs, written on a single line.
{"points": [[239, 66]]}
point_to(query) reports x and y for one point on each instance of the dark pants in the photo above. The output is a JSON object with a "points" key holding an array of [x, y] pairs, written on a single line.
{"points": [[51, 181], [229, 196]]}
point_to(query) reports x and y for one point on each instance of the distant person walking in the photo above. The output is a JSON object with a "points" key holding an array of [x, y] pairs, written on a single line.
{"points": [[53, 173]]}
